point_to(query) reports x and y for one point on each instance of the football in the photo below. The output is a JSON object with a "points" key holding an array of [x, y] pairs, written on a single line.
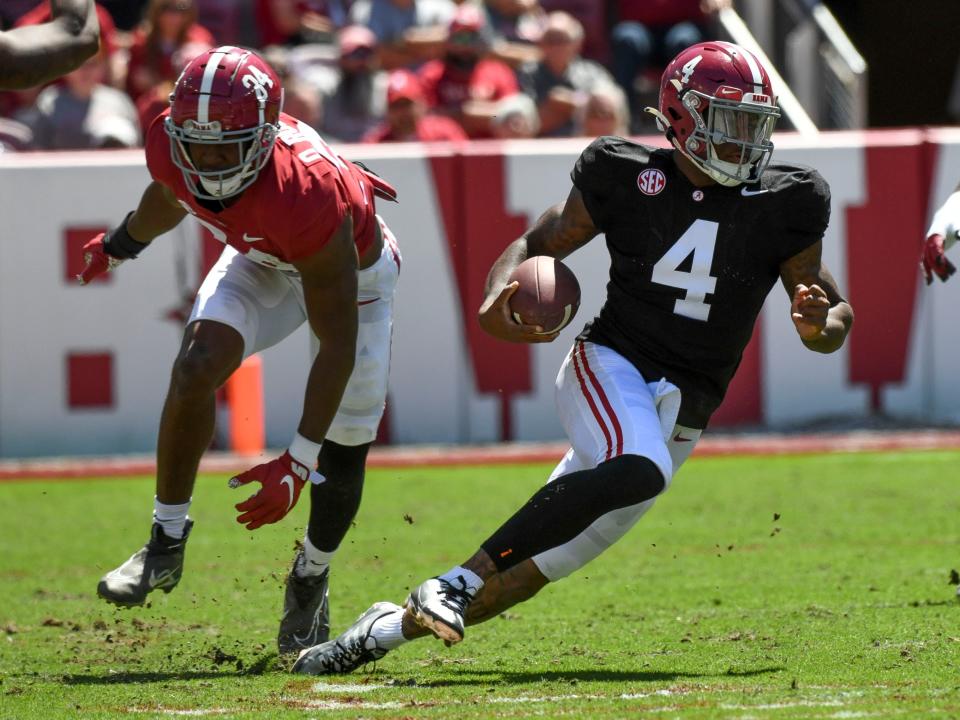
{"points": [[548, 296]]}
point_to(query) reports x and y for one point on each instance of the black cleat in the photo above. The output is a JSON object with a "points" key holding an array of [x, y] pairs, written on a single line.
{"points": [[158, 565], [306, 611]]}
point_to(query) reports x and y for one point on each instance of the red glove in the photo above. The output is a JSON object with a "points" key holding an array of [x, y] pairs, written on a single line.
{"points": [[933, 260], [282, 480], [97, 260], [107, 250]]}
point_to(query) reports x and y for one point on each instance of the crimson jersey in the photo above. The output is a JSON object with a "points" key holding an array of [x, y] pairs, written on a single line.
{"points": [[300, 198]]}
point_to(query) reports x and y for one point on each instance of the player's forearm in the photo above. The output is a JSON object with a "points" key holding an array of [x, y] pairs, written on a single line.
{"points": [[834, 333], [36, 54], [155, 215], [325, 385], [537, 240]]}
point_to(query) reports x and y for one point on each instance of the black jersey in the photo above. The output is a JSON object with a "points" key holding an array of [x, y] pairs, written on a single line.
{"points": [[690, 267]]}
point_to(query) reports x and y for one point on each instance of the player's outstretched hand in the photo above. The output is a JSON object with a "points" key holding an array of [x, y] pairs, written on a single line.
{"points": [[281, 481], [933, 259], [496, 319], [97, 260], [809, 310]]}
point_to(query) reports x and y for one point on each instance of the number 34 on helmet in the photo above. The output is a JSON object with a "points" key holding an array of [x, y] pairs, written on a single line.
{"points": [[226, 95], [717, 108]]}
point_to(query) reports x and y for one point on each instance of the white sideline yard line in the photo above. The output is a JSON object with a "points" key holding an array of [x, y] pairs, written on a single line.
{"points": [[503, 453], [345, 688]]}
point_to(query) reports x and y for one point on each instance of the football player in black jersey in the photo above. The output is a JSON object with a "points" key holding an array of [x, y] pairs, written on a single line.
{"points": [[698, 235]]}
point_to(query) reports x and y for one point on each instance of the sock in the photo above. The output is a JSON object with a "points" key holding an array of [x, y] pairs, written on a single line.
{"points": [[473, 581], [171, 518], [388, 630], [312, 562]]}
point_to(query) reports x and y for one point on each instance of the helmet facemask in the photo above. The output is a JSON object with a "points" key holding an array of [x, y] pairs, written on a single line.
{"points": [[254, 146], [743, 121]]}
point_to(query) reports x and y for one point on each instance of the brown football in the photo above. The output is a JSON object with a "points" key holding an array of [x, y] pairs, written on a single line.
{"points": [[548, 296]]}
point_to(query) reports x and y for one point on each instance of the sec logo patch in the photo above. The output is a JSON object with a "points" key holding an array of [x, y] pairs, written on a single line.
{"points": [[651, 181]]}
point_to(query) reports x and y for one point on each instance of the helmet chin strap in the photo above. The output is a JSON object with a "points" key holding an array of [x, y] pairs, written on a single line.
{"points": [[222, 188], [718, 177]]}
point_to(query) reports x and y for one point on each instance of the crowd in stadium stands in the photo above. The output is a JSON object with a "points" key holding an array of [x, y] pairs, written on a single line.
{"points": [[372, 70]]}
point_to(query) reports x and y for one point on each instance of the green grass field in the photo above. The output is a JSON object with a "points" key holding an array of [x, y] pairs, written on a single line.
{"points": [[789, 587]]}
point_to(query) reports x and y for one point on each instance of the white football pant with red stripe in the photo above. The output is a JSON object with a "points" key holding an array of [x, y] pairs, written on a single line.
{"points": [[608, 409]]}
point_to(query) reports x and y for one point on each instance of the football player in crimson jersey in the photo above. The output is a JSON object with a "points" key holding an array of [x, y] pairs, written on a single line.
{"points": [[303, 245], [36, 54], [943, 233], [698, 235]]}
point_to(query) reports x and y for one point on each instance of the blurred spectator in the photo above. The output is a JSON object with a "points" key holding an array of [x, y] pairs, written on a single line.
{"points": [[302, 100], [560, 82], [155, 100], [290, 22], [604, 113], [407, 116], [595, 17], [167, 27], [359, 101], [408, 31], [14, 136], [13, 10], [651, 32], [126, 13], [516, 26], [83, 113], [465, 84], [515, 117]]}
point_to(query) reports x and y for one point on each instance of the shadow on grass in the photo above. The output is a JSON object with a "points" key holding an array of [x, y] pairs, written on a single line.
{"points": [[259, 667], [616, 676]]}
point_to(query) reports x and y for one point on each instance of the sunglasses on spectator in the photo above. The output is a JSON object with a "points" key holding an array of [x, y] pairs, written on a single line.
{"points": [[466, 38], [177, 7], [360, 53]]}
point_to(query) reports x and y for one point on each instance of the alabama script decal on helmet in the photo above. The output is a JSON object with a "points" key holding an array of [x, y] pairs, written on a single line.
{"points": [[717, 107], [227, 95]]}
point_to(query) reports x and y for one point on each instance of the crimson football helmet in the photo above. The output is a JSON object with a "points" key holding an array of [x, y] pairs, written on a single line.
{"points": [[717, 94], [226, 95]]}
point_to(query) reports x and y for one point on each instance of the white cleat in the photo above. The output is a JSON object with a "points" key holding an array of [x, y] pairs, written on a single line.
{"points": [[441, 607]]}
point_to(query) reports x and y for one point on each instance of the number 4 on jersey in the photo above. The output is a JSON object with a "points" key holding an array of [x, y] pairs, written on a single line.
{"points": [[699, 239]]}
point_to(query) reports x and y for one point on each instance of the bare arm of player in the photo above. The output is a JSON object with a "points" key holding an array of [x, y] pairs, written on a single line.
{"points": [[821, 315], [36, 54], [157, 213], [330, 295], [557, 233]]}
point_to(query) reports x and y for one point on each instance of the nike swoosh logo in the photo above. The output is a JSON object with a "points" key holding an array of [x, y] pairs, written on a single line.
{"points": [[288, 481], [161, 580], [680, 438], [748, 193], [250, 238], [366, 302]]}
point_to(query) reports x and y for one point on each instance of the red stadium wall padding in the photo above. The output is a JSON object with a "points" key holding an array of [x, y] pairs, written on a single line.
{"points": [[450, 383], [478, 228], [743, 404], [883, 241]]}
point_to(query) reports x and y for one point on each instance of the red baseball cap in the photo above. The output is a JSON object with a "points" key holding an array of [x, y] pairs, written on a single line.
{"points": [[404, 85], [356, 36], [467, 18]]}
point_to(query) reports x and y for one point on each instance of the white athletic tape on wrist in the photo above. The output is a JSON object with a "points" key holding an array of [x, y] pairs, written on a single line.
{"points": [[306, 452]]}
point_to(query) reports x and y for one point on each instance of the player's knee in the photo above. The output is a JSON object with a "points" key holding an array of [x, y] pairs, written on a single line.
{"points": [[200, 368], [642, 478]]}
